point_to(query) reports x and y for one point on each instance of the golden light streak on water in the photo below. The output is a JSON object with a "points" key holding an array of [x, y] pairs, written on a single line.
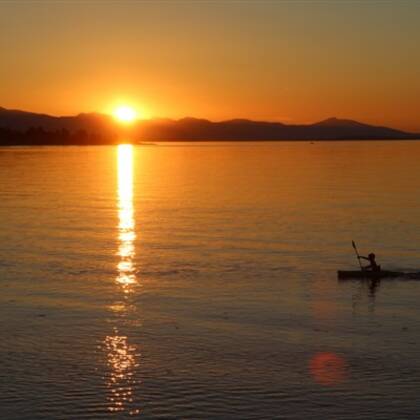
{"points": [[126, 227], [121, 358], [121, 355]]}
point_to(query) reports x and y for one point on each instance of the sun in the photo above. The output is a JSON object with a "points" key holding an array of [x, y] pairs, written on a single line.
{"points": [[125, 114]]}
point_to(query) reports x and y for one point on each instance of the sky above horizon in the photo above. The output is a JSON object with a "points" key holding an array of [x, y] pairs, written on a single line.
{"points": [[295, 62]]}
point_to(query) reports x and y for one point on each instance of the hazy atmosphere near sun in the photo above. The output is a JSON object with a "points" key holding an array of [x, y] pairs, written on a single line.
{"points": [[295, 62]]}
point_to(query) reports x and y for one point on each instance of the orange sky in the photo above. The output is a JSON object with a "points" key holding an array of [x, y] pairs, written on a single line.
{"points": [[287, 61]]}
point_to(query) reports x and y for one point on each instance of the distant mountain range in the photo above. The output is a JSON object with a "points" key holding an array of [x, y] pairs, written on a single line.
{"points": [[22, 120], [20, 127]]}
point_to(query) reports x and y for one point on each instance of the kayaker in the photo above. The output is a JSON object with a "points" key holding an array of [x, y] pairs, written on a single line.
{"points": [[372, 260]]}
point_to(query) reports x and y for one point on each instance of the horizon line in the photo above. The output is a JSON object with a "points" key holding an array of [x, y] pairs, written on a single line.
{"points": [[138, 120]]}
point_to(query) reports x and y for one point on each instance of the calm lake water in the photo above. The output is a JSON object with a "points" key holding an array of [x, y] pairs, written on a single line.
{"points": [[198, 281]]}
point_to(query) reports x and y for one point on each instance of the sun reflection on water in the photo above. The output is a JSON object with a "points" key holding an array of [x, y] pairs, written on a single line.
{"points": [[122, 362], [126, 269], [122, 357]]}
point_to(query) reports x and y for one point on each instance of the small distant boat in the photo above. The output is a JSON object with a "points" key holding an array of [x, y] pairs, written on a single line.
{"points": [[376, 275]]}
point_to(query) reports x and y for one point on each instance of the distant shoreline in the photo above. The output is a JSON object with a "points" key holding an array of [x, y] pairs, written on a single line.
{"points": [[27, 128], [157, 142]]}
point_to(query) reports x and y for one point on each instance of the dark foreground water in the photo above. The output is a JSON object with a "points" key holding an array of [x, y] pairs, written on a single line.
{"points": [[199, 281]]}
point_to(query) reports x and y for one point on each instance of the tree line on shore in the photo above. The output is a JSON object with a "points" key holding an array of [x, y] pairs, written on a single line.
{"points": [[38, 136]]}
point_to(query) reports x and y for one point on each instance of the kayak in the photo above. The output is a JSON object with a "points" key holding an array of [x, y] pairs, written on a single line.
{"points": [[376, 275]]}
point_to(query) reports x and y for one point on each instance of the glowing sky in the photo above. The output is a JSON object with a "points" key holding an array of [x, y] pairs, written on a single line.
{"points": [[287, 61]]}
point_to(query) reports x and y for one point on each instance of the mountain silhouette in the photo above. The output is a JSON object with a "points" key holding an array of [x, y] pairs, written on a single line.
{"points": [[21, 127], [23, 120], [242, 129]]}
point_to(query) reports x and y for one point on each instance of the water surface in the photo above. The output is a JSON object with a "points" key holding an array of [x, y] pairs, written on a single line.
{"points": [[199, 281]]}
